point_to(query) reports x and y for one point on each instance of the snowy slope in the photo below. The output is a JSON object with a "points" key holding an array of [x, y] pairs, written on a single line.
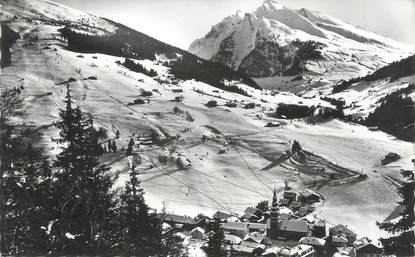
{"points": [[53, 12], [347, 51], [228, 181]]}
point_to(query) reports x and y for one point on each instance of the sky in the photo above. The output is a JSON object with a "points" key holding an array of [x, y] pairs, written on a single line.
{"points": [[179, 22]]}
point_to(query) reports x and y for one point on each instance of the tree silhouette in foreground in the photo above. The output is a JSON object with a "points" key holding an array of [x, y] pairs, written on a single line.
{"points": [[82, 188], [216, 240], [403, 243]]}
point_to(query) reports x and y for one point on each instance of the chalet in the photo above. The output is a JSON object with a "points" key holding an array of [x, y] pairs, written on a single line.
{"points": [[339, 241], [300, 250], [242, 248], [256, 227], [253, 238], [284, 202], [255, 211], [302, 211], [232, 240], [286, 216], [309, 197], [317, 243], [221, 215], [364, 248], [318, 229], [249, 106], [198, 233], [342, 230], [346, 251], [293, 229], [250, 217], [178, 221], [292, 196], [177, 90], [295, 205], [271, 252], [235, 228]]}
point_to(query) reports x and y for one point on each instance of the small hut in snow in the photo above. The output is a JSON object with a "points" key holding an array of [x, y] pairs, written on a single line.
{"points": [[198, 233]]}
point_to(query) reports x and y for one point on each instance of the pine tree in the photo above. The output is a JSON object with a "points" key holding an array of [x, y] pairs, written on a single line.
{"points": [[296, 147], [10, 106], [82, 187], [109, 146], [131, 144], [216, 240], [140, 230], [114, 146], [403, 243], [29, 210], [117, 134]]}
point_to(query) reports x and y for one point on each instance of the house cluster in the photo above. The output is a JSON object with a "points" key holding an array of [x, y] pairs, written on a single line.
{"points": [[286, 228]]}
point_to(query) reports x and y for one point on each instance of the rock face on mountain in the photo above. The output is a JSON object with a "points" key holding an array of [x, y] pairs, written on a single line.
{"points": [[278, 41]]}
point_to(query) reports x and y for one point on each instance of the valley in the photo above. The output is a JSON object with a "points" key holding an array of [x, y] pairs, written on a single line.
{"points": [[198, 158]]}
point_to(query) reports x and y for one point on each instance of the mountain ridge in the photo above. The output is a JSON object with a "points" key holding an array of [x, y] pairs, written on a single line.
{"points": [[348, 51]]}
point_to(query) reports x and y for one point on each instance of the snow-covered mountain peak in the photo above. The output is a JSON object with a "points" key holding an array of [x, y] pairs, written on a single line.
{"points": [[278, 41], [272, 5]]}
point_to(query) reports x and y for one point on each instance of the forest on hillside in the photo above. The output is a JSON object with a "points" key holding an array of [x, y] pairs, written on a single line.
{"points": [[135, 45], [393, 71]]}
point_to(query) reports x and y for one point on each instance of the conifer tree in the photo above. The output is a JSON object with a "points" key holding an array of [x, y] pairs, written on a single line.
{"points": [[109, 146], [403, 243], [140, 232], [10, 106], [27, 191], [131, 144], [114, 146], [82, 187], [216, 240]]}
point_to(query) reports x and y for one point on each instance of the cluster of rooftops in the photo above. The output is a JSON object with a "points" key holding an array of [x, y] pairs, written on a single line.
{"points": [[287, 228]]}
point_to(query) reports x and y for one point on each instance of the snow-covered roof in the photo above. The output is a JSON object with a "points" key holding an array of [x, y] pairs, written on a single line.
{"points": [[253, 225], [255, 237], [339, 239], [233, 239], [221, 215], [312, 241], [234, 226], [293, 225], [199, 229]]}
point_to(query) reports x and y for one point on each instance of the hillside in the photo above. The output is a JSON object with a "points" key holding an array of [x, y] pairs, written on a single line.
{"points": [[223, 157]]}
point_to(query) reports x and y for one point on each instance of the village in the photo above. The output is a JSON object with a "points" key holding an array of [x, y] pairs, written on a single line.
{"points": [[284, 227]]}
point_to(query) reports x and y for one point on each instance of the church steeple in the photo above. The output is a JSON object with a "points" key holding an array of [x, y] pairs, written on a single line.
{"points": [[274, 198]]}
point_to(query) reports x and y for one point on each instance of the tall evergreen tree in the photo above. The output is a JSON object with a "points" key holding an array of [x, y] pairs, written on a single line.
{"points": [[131, 144], [140, 229], [29, 205], [403, 243], [216, 240], [10, 106], [114, 146], [82, 187], [109, 146]]}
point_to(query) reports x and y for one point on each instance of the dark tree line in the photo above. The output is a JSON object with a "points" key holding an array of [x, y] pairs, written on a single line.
{"points": [[128, 43], [137, 67], [393, 71], [6, 41], [396, 114], [67, 206], [295, 111], [211, 73]]}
